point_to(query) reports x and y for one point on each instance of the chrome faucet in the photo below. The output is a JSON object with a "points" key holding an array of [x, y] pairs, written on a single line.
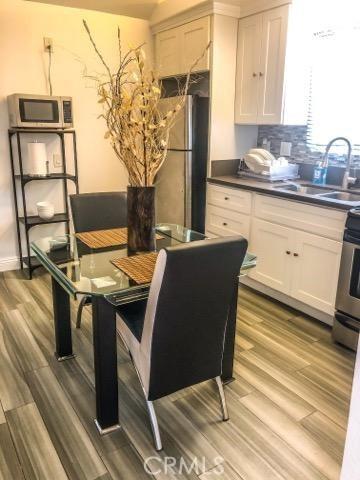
{"points": [[346, 179]]}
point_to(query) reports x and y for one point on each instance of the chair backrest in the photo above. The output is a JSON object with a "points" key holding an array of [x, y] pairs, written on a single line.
{"points": [[98, 211], [184, 327]]}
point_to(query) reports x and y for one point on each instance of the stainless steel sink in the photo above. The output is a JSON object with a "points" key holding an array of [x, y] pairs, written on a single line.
{"points": [[343, 196], [307, 189], [323, 192]]}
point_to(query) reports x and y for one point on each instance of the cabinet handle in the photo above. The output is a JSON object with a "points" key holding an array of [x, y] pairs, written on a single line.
{"points": [[296, 254], [261, 74], [254, 74], [226, 198], [225, 224], [288, 252]]}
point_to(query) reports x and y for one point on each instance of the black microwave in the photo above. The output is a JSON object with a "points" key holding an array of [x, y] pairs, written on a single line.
{"points": [[40, 111]]}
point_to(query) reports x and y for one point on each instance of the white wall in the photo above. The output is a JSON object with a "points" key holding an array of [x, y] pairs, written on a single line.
{"points": [[23, 70], [351, 461]]}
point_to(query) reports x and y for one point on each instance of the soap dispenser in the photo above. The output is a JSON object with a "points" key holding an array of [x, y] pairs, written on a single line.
{"points": [[320, 171]]}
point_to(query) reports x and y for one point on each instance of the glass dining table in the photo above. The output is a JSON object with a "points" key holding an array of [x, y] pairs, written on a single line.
{"points": [[77, 270]]}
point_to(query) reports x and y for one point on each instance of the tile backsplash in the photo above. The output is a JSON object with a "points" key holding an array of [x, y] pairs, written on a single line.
{"points": [[300, 152]]}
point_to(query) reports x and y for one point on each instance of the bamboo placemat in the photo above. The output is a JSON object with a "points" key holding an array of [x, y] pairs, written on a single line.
{"points": [[138, 267], [106, 238]]}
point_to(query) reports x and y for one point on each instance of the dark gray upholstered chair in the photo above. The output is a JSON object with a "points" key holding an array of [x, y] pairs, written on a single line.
{"points": [[97, 211], [176, 337]]}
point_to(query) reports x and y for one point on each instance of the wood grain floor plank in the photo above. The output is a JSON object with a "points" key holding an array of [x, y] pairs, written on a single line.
{"points": [[9, 463], [274, 344], [246, 460], [125, 464], [335, 409], [14, 391], [24, 345], [326, 433], [338, 386], [37, 454], [292, 433], [285, 358], [77, 453], [260, 437], [293, 404], [312, 327], [2, 415], [223, 472]]}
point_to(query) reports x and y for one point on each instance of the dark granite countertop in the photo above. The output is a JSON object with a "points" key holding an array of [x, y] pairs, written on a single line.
{"points": [[271, 188]]}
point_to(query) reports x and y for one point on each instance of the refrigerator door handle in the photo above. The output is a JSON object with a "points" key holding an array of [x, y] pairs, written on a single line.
{"points": [[188, 189], [188, 143]]}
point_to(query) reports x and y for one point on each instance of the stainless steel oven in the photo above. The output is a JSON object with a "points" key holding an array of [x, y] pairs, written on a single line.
{"points": [[347, 317]]}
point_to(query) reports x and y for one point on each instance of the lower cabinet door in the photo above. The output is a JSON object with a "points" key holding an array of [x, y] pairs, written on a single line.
{"points": [[271, 244], [316, 270]]}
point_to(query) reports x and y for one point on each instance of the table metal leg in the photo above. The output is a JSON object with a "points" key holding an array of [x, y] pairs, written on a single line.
{"points": [[105, 365], [62, 321], [229, 344]]}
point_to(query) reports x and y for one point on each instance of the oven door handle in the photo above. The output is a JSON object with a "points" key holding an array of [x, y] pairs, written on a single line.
{"points": [[343, 319], [351, 238]]}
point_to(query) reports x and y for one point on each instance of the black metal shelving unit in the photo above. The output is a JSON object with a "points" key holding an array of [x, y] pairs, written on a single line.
{"points": [[20, 179]]}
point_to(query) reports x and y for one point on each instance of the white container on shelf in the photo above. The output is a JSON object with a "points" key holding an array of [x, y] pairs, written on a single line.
{"points": [[45, 210], [37, 159]]}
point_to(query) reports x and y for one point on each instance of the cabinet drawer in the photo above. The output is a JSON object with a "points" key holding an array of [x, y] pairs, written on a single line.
{"points": [[229, 198], [223, 222], [321, 221]]}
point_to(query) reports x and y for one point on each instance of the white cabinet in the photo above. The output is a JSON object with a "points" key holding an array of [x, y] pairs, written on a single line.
{"points": [[248, 67], [271, 244], [223, 222], [272, 65], [265, 47], [179, 47], [167, 52], [228, 211], [194, 37], [229, 198], [316, 271], [296, 263]]}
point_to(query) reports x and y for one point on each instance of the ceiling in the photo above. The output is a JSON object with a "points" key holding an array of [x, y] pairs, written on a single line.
{"points": [[130, 8]]}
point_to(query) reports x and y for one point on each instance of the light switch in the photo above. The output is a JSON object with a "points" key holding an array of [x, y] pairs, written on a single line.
{"points": [[285, 149], [57, 160]]}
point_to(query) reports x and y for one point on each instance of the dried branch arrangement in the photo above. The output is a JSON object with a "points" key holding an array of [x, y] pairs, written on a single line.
{"points": [[136, 127]]}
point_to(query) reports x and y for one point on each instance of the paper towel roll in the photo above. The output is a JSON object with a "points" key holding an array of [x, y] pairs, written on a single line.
{"points": [[37, 158]]}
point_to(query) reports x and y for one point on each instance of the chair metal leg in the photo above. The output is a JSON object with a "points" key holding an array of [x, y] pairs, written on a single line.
{"points": [[222, 399], [151, 410], [80, 309], [154, 425]]}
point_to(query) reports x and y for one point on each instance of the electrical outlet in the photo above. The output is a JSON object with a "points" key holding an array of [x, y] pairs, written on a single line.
{"points": [[48, 44], [57, 160], [285, 149]]}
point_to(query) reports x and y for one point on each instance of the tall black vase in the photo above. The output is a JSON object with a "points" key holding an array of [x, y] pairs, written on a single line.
{"points": [[141, 218]]}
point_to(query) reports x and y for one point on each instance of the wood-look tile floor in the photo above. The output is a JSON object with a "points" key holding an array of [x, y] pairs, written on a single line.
{"points": [[288, 406]]}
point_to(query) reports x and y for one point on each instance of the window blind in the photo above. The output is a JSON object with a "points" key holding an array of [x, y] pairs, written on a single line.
{"points": [[334, 97]]}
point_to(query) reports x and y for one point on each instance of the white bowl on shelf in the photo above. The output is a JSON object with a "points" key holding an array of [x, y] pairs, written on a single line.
{"points": [[45, 210]]}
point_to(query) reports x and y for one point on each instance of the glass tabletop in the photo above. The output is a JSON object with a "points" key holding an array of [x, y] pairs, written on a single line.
{"points": [[84, 270]]}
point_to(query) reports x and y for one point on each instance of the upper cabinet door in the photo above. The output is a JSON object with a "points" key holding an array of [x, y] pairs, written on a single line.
{"points": [[194, 38], [168, 60], [272, 65], [248, 67]]}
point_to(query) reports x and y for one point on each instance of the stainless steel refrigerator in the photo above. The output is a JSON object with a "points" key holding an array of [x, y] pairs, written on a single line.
{"points": [[181, 182]]}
